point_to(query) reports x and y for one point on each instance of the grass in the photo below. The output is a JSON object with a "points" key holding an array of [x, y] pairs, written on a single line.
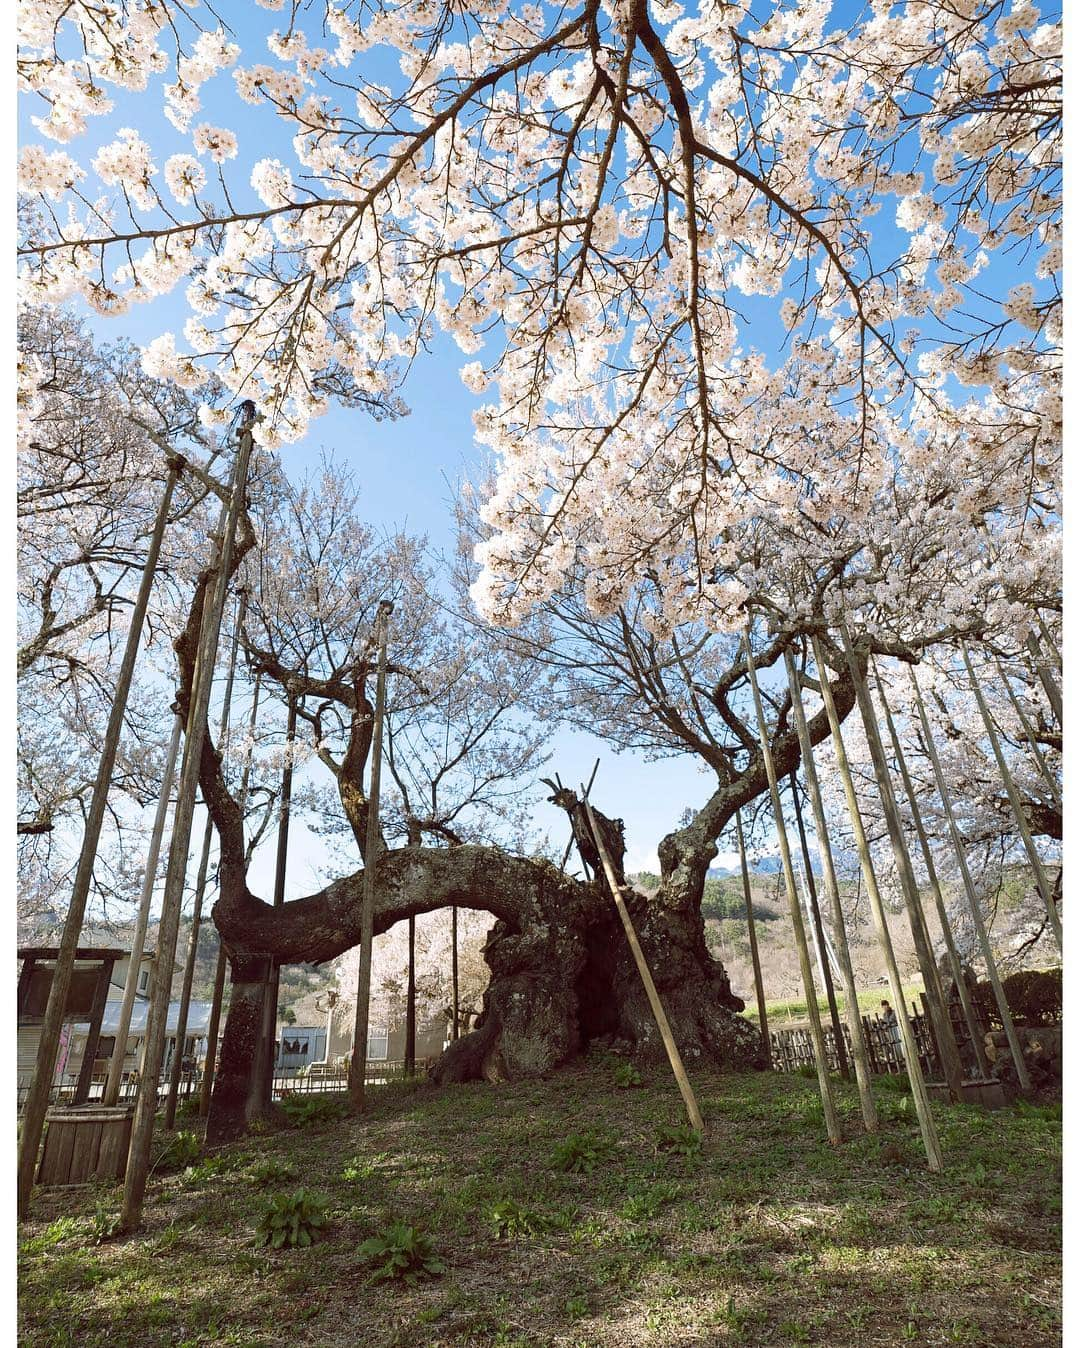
{"points": [[794, 1009], [765, 1237]]}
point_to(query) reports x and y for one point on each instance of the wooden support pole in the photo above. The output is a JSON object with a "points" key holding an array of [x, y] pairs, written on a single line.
{"points": [[218, 996], [944, 1034], [1048, 640], [206, 1088], [1046, 678], [1041, 880], [1029, 734], [832, 1119], [819, 931], [138, 938], [37, 1101], [455, 1006], [142, 1129], [832, 891], [358, 1062], [1022, 1073], [935, 886], [923, 1112], [659, 1014], [751, 927], [410, 1003], [200, 885], [263, 1080], [176, 1067]]}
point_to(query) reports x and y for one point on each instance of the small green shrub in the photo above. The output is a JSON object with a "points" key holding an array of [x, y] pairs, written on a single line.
{"points": [[293, 1219], [358, 1168], [627, 1076], [54, 1234], [302, 1111], [581, 1153], [648, 1202], [402, 1252], [680, 1139], [182, 1150], [510, 1219], [1048, 1113], [896, 1110], [106, 1225], [1034, 997], [272, 1171], [210, 1167]]}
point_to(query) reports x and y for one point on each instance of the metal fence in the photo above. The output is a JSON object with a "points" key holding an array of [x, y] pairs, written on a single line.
{"points": [[299, 1082]]}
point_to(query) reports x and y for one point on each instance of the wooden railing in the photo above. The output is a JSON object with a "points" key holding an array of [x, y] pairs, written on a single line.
{"points": [[793, 1049]]}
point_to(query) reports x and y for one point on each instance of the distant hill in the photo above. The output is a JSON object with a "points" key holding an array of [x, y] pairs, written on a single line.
{"points": [[766, 866]]}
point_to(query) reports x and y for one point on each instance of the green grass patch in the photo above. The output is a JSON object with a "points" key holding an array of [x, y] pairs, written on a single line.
{"points": [[551, 1213]]}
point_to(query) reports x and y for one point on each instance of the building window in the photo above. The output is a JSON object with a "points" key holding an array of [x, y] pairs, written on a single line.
{"points": [[144, 979], [378, 1044]]}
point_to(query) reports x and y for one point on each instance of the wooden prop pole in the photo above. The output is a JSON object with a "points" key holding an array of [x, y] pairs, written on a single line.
{"points": [[206, 1087], [1017, 804], [455, 1008], [410, 1004], [264, 1076], [138, 937], [358, 1062], [176, 1067], [1048, 640], [944, 1034], [1046, 678], [923, 1112], [142, 1129], [832, 1120], [200, 889], [659, 1014], [37, 1101], [863, 1073], [1029, 733], [218, 995], [935, 886], [819, 934], [1022, 1073], [751, 927]]}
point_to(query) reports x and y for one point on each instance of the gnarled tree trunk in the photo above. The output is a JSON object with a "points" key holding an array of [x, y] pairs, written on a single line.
{"points": [[561, 971]]}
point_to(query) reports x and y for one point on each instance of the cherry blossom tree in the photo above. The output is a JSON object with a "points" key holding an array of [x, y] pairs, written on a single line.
{"points": [[987, 825], [768, 308], [605, 184], [94, 432]]}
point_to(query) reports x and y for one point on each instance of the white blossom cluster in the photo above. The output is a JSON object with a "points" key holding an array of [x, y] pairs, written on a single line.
{"points": [[586, 199]]}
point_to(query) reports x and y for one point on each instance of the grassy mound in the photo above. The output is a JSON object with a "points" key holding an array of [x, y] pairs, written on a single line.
{"points": [[764, 1235]]}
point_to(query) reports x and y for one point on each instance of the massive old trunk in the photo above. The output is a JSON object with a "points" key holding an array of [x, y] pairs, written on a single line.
{"points": [[561, 971]]}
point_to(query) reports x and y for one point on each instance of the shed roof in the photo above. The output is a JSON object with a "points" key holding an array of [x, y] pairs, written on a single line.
{"points": [[44, 953], [198, 1020]]}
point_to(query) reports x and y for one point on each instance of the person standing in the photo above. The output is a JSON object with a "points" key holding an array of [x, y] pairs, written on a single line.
{"points": [[892, 1030]]}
